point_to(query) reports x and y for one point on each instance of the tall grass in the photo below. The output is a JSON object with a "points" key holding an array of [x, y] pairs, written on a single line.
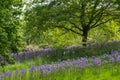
{"points": [[62, 53], [75, 52], [105, 67], [26, 59]]}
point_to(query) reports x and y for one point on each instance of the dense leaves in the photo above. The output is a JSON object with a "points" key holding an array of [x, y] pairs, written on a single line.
{"points": [[77, 16], [10, 34]]}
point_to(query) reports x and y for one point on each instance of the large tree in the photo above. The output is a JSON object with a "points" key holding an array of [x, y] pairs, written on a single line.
{"points": [[77, 16], [10, 34]]}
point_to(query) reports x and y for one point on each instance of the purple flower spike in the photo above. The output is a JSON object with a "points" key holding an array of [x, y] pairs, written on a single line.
{"points": [[115, 53], [23, 71], [32, 68], [8, 73], [106, 56], [118, 58], [112, 59], [96, 61]]}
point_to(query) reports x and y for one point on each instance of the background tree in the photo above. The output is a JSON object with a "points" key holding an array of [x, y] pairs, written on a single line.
{"points": [[77, 16], [10, 31]]}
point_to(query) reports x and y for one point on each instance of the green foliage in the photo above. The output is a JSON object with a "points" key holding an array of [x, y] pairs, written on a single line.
{"points": [[78, 17], [60, 38], [106, 33], [10, 31]]}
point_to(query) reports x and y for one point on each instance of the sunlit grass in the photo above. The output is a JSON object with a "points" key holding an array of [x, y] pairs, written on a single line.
{"points": [[23, 65], [105, 72]]}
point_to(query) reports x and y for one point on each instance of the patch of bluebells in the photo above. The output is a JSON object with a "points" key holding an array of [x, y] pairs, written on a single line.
{"points": [[9, 73], [96, 61], [80, 63], [23, 71], [30, 54], [118, 58]]}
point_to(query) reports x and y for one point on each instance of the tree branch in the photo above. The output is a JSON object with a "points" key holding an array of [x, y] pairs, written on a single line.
{"points": [[95, 25], [97, 20], [93, 12], [69, 29], [75, 26], [82, 20], [97, 15], [101, 10]]}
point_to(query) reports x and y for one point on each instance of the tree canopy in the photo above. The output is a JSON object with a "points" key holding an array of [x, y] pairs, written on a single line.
{"points": [[77, 16]]}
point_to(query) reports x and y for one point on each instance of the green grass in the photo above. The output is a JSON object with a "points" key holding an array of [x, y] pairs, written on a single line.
{"points": [[105, 72], [75, 53], [23, 65], [58, 55]]}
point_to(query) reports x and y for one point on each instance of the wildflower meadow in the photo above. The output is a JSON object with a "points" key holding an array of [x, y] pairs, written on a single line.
{"points": [[104, 67]]}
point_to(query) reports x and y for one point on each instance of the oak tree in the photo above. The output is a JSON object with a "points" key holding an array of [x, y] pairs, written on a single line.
{"points": [[77, 16]]}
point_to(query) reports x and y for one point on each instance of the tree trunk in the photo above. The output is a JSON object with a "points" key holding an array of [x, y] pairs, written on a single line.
{"points": [[84, 36]]}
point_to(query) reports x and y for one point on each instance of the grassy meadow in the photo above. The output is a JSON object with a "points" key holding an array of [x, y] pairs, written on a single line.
{"points": [[71, 63], [59, 39]]}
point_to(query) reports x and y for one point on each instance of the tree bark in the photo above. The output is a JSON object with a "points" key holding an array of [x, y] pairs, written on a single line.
{"points": [[85, 36]]}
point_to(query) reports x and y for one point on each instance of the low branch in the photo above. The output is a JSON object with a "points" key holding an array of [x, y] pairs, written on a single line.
{"points": [[69, 30], [75, 26]]}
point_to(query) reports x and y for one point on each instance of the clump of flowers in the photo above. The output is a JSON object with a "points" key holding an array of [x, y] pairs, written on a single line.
{"points": [[64, 65]]}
